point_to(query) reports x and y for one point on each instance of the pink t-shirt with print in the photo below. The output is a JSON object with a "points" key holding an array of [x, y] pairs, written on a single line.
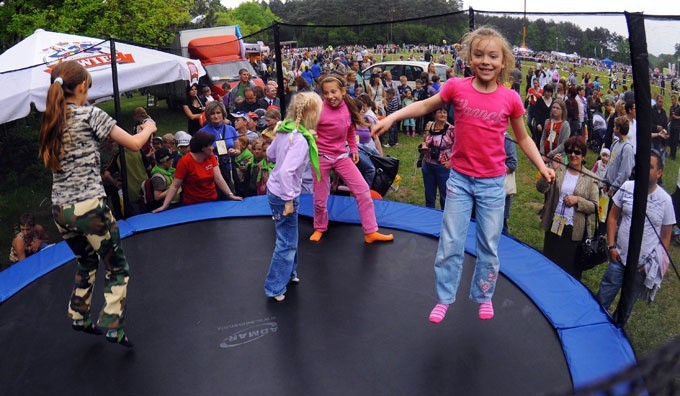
{"points": [[481, 121]]}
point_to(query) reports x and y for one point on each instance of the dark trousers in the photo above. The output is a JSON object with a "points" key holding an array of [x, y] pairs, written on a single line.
{"points": [[675, 133], [562, 251], [420, 125], [228, 170], [675, 197], [393, 138]]}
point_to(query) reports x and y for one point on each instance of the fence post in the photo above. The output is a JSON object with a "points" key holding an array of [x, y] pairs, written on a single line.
{"points": [[638, 57], [471, 18], [121, 150], [279, 68]]}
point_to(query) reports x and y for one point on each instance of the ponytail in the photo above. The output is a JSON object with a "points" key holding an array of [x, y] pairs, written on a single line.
{"points": [[52, 127], [65, 77], [357, 118]]}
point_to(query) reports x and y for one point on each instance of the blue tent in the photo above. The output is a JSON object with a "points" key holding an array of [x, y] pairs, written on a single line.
{"points": [[607, 62]]}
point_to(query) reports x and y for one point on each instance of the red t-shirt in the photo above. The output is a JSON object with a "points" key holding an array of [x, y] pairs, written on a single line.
{"points": [[481, 122], [198, 179]]}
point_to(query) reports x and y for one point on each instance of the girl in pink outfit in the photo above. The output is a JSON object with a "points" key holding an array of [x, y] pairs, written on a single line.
{"points": [[334, 131], [483, 107]]}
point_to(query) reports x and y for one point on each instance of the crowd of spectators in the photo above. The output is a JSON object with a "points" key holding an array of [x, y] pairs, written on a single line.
{"points": [[570, 112]]}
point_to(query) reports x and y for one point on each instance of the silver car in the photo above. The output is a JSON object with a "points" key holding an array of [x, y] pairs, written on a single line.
{"points": [[411, 69]]}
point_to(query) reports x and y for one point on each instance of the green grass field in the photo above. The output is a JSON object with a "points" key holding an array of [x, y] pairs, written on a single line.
{"points": [[650, 326]]}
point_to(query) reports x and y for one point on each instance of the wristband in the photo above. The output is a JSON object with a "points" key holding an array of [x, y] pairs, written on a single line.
{"points": [[610, 247]]}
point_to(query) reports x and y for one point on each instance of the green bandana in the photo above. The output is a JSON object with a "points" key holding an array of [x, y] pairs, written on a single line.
{"points": [[169, 172], [288, 126]]}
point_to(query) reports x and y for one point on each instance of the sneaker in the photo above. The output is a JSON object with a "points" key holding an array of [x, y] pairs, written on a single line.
{"points": [[86, 326], [280, 297], [386, 145], [295, 279], [119, 337]]}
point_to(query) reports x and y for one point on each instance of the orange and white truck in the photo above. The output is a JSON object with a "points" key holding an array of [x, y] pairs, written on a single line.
{"points": [[222, 53]]}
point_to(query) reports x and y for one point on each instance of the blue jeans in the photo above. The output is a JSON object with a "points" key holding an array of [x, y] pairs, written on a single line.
{"points": [[611, 282], [365, 164], [489, 196], [285, 258], [434, 178]]}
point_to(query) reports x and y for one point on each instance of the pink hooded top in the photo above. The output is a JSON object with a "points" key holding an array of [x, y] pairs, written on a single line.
{"points": [[334, 130]]}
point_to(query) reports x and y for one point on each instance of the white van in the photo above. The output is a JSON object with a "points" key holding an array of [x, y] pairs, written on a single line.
{"points": [[411, 69]]}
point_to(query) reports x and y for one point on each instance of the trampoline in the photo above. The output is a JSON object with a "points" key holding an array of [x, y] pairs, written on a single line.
{"points": [[357, 322]]}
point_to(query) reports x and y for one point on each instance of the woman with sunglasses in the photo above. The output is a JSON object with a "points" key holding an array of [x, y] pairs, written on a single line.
{"points": [[570, 200]]}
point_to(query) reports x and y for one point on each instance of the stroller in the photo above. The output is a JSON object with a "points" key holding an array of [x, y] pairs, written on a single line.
{"points": [[596, 139]]}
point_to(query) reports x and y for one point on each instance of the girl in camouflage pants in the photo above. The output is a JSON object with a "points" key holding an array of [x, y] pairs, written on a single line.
{"points": [[70, 136]]}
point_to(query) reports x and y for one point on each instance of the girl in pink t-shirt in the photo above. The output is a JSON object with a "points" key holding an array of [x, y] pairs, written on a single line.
{"points": [[335, 131], [482, 107]]}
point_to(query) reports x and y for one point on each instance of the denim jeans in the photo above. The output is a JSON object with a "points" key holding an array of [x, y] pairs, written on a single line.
{"points": [[434, 178], [611, 282], [489, 196], [366, 166], [285, 258]]}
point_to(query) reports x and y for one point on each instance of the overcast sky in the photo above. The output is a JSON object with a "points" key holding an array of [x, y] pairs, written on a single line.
{"points": [[661, 36]]}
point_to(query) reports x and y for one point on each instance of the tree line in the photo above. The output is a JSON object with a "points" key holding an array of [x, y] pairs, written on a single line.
{"points": [[155, 23]]}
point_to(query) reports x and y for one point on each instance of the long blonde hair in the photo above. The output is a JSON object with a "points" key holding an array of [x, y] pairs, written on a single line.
{"points": [[64, 79], [472, 39], [305, 109]]}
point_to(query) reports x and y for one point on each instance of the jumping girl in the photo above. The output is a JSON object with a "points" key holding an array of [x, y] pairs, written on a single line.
{"points": [[482, 107], [334, 131], [292, 149], [70, 136]]}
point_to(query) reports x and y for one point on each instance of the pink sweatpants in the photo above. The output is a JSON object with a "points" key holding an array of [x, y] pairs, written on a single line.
{"points": [[357, 185]]}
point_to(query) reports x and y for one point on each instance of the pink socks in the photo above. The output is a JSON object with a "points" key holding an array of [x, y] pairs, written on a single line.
{"points": [[485, 311], [438, 313]]}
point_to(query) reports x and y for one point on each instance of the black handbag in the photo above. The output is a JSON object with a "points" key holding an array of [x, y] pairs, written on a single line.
{"points": [[593, 250], [386, 169]]}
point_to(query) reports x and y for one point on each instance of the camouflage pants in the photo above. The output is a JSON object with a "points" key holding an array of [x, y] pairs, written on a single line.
{"points": [[91, 231]]}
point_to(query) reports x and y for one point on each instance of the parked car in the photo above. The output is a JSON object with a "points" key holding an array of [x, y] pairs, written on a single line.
{"points": [[411, 69]]}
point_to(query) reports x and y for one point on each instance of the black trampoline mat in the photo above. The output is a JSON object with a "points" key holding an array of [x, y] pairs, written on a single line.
{"points": [[356, 324]]}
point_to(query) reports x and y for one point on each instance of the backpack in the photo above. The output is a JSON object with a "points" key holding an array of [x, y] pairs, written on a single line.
{"points": [[150, 203]]}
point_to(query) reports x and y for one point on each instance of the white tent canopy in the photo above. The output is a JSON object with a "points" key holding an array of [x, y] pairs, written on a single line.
{"points": [[25, 69]]}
